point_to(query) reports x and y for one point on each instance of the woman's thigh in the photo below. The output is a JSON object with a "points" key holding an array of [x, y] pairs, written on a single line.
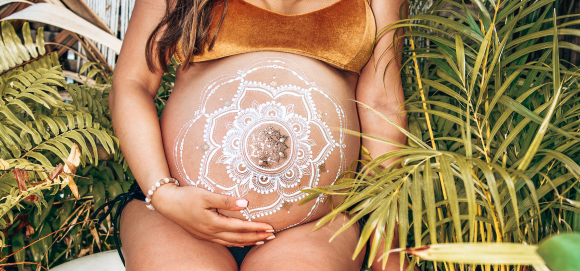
{"points": [[153, 242], [300, 248]]}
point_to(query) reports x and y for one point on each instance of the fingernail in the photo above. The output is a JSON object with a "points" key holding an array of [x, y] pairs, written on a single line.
{"points": [[270, 231], [271, 237], [242, 203], [260, 243]]}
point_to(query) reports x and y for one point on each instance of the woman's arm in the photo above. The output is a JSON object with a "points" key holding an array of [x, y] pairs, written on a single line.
{"points": [[132, 98], [137, 127], [382, 93], [385, 95]]}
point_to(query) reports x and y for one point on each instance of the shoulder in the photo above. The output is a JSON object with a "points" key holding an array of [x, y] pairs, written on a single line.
{"points": [[386, 10]]}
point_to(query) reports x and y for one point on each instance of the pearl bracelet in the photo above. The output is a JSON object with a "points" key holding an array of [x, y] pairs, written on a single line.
{"points": [[154, 187]]}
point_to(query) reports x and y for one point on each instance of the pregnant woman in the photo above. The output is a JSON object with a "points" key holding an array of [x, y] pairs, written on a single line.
{"points": [[263, 97]]}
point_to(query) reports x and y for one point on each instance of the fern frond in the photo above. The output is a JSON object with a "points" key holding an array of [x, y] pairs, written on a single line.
{"points": [[13, 52]]}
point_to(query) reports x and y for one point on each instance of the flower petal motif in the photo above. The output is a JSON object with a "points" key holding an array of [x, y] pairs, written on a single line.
{"points": [[267, 148], [287, 172]]}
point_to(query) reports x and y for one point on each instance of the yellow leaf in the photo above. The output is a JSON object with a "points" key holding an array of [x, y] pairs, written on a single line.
{"points": [[73, 160], [55, 172], [95, 236], [365, 153], [83, 252], [4, 165], [71, 184], [70, 167], [480, 253]]}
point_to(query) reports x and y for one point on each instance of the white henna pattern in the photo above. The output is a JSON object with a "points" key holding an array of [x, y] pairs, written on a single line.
{"points": [[267, 146], [237, 149]]}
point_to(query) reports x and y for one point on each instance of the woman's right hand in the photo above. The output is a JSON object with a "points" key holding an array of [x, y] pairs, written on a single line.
{"points": [[196, 210]]}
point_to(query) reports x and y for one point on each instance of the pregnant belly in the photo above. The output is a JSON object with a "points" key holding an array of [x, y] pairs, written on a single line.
{"points": [[264, 133]]}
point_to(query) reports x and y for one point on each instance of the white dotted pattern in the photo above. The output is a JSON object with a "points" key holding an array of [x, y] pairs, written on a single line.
{"points": [[302, 163]]}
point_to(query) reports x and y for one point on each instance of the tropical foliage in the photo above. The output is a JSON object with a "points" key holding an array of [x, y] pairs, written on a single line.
{"points": [[42, 141], [493, 142]]}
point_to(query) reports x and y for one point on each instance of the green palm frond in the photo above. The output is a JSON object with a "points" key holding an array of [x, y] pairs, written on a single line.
{"points": [[493, 131]]}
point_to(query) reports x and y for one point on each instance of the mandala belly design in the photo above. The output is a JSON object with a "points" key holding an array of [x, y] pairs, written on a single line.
{"points": [[263, 158], [265, 145]]}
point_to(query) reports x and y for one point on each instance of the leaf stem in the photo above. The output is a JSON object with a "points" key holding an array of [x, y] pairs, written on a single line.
{"points": [[427, 118]]}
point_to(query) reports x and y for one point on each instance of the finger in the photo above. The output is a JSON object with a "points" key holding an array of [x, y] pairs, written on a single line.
{"points": [[224, 243], [213, 200], [252, 238], [228, 244], [237, 225]]}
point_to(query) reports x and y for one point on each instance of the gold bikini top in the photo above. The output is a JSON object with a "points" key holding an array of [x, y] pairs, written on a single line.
{"points": [[341, 34]]}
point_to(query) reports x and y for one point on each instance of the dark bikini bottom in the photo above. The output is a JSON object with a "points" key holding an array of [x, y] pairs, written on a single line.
{"points": [[239, 253]]}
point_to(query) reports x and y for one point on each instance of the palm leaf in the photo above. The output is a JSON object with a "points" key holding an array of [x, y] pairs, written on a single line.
{"points": [[505, 119]]}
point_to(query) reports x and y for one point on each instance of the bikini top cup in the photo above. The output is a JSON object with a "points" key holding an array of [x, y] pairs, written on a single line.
{"points": [[341, 34]]}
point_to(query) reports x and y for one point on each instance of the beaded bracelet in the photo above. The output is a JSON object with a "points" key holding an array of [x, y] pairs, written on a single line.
{"points": [[154, 187]]}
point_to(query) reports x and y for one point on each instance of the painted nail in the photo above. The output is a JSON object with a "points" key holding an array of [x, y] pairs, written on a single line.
{"points": [[270, 231], [242, 203], [260, 243], [271, 237]]}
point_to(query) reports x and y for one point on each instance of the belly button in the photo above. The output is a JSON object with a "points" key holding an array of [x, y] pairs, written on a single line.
{"points": [[269, 146]]}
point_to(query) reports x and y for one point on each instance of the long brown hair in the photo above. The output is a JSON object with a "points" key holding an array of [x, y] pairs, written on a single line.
{"points": [[187, 21]]}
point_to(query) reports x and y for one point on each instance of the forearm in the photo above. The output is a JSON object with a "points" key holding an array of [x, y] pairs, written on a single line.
{"points": [[137, 127], [374, 125], [386, 100]]}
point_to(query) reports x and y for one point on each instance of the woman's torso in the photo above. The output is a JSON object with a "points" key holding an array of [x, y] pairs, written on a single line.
{"points": [[262, 126]]}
